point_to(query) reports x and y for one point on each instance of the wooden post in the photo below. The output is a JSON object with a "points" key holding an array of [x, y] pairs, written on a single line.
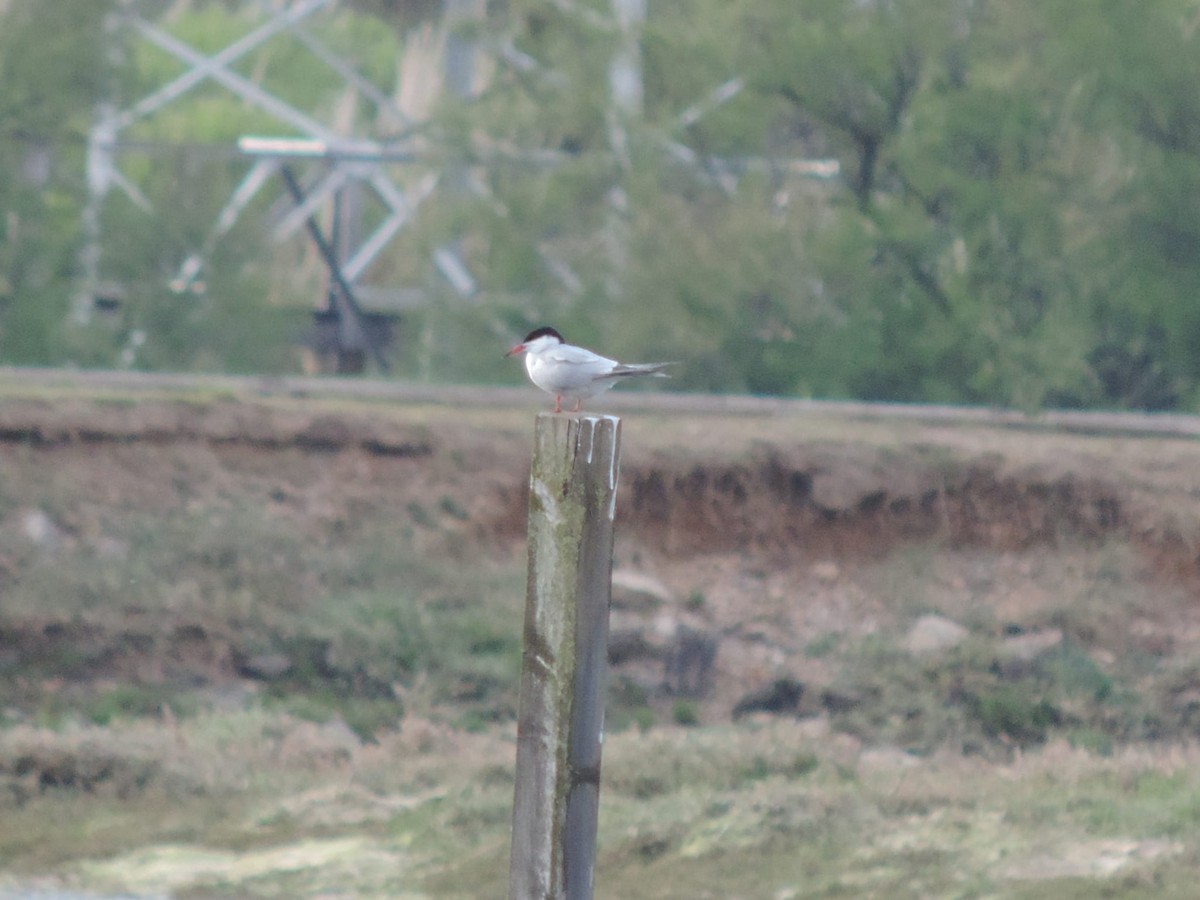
{"points": [[572, 496]]}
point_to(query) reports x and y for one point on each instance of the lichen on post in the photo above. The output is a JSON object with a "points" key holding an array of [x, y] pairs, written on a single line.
{"points": [[572, 490]]}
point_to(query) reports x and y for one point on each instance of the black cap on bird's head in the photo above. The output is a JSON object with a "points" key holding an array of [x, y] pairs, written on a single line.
{"points": [[544, 331]]}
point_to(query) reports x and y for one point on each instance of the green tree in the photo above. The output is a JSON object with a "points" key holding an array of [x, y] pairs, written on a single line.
{"points": [[53, 70], [949, 261], [1137, 68]]}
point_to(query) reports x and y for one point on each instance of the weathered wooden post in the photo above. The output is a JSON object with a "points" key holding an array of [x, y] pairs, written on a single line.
{"points": [[572, 496]]}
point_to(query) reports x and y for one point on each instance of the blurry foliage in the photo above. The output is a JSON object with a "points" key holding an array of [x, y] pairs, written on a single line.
{"points": [[990, 178], [53, 70], [1014, 223]]}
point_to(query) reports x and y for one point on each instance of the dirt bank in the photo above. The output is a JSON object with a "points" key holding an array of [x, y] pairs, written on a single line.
{"points": [[769, 536]]}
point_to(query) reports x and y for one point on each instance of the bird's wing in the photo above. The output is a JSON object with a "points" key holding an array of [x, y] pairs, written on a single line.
{"points": [[581, 360], [620, 369]]}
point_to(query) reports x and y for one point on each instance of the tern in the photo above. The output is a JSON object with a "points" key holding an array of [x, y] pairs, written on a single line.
{"points": [[571, 372]]}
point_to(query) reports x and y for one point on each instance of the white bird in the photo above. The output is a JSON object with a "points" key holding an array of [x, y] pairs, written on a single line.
{"points": [[571, 372]]}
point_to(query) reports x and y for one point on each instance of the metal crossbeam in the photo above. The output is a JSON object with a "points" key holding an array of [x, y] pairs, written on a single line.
{"points": [[349, 74], [350, 311], [203, 67], [209, 67], [362, 162], [328, 183], [403, 209]]}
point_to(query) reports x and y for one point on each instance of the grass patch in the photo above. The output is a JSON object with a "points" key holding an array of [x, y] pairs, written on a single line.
{"points": [[354, 618], [453, 508], [685, 712], [973, 698], [758, 810], [128, 701], [1013, 712], [823, 646]]}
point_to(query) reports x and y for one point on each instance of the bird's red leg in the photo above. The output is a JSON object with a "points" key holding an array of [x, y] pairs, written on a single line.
{"points": [[578, 405], [558, 403]]}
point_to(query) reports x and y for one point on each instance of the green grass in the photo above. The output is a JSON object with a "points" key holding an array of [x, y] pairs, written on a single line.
{"points": [[356, 616], [747, 811]]}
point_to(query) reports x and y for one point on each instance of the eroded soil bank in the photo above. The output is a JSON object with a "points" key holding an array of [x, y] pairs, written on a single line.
{"points": [[752, 550], [290, 622]]}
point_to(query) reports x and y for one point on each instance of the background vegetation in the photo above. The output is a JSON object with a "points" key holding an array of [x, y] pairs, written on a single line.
{"points": [[1015, 219]]}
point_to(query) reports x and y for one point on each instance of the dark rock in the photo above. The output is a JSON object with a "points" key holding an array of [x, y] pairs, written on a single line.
{"points": [[838, 702], [627, 644], [780, 696], [688, 668]]}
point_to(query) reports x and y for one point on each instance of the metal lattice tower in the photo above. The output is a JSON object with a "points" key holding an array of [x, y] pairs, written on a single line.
{"points": [[358, 161], [336, 168]]}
